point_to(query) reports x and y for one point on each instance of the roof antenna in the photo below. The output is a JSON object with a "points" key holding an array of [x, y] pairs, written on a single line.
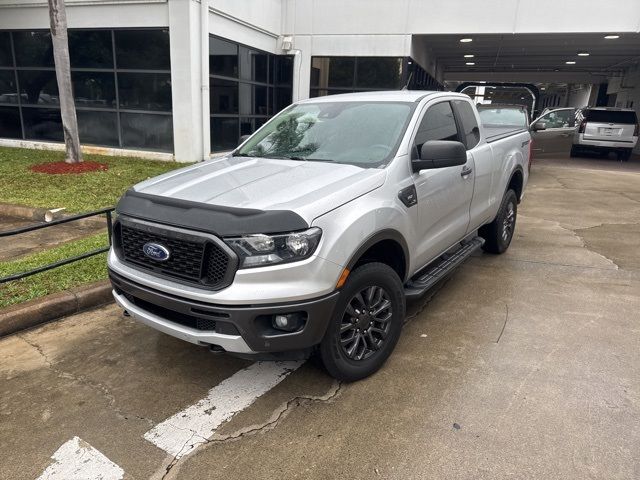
{"points": [[406, 87]]}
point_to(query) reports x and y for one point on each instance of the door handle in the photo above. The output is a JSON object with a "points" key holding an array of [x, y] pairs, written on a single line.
{"points": [[466, 171]]}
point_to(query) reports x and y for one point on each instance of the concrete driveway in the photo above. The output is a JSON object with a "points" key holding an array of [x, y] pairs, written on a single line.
{"points": [[525, 365]]}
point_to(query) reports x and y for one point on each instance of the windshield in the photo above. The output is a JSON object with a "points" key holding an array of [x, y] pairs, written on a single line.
{"points": [[503, 116], [365, 134]]}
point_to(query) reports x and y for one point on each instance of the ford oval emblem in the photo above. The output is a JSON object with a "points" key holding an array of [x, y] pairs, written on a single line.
{"points": [[156, 252]]}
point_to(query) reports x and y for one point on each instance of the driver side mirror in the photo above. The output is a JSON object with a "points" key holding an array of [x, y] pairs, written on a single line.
{"points": [[440, 154], [536, 127]]}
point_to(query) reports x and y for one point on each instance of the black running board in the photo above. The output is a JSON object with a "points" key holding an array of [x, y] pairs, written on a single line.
{"points": [[426, 279]]}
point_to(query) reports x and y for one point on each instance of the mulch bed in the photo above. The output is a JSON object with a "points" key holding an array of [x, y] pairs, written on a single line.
{"points": [[61, 168]]}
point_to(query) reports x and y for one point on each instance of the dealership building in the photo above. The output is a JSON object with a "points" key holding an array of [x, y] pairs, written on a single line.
{"points": [[184, 79]]}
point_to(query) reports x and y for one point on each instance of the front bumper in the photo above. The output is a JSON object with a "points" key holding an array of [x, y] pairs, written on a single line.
{"points": [[237, 329]]}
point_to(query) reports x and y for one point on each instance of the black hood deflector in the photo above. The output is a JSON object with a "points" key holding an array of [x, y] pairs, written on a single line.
{"points": [[215, 219]]}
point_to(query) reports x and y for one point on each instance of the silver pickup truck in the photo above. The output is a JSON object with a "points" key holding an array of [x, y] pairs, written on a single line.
{"points": [[311, 235]]}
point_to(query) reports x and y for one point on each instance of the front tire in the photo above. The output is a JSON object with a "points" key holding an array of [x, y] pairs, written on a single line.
{"points": [[498, 234], [366, 323]]}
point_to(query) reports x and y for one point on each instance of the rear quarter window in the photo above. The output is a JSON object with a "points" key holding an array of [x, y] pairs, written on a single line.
{"points": [[611, 116]]}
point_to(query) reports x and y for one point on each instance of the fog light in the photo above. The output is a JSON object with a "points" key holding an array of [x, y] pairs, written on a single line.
{"points": [[289, 322]]}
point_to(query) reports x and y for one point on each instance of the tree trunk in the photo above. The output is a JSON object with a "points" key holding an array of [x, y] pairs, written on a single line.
{"points": [[58, 19]]}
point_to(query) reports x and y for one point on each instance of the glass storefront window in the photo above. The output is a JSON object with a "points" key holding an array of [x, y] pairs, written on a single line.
{"points": [[147, 131], [333, 75], [224, 133], [6, 57], [33, 48], [10, 122], [42, 124], [247, 87], [145, 91], [142, 49], [8, 91], [260, 100], [282, 70], [223, 57], [379, 73], [94, 89], [90, 49], [332, 71], [38, 87], [140, 78], [99, 128], [253, 65], [224, 96]]}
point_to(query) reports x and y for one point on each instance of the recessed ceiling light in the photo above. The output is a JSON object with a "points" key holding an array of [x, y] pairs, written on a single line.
{"points": [[466, 40], [583, 54], [609, 37], [542, 88], [469, 56], [470, 63], [570, 62]]}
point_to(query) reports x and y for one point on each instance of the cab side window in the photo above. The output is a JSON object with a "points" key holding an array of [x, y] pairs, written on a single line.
{"points": [[437, 124]]}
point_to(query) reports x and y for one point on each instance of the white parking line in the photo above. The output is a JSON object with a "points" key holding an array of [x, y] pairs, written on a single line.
{"points": [[77, 460], [184, 431]]}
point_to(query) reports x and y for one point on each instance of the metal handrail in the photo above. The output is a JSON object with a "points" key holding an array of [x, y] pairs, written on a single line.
{"points": [[30, 228]]}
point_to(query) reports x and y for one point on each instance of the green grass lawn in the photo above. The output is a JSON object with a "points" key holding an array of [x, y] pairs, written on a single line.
{"points": [[77, 193], [62, 278]]}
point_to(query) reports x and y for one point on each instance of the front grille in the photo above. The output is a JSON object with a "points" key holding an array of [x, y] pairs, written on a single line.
{"points": [[193, 258]]}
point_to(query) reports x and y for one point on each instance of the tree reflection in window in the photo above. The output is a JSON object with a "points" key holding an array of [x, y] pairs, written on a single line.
{"points": [[285, 140]]}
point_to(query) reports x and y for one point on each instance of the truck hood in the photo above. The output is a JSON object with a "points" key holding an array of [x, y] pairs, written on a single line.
{"points": [[308, 188]]}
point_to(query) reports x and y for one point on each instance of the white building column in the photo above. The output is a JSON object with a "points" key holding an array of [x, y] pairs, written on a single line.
{"points": [[190, 99], [301, 67]]}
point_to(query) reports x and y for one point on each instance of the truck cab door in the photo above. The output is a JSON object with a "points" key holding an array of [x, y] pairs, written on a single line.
{"points": [[444, 194], [557, 136]]}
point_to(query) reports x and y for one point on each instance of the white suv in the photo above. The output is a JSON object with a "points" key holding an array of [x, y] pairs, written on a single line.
{"points": [[606, 129]]}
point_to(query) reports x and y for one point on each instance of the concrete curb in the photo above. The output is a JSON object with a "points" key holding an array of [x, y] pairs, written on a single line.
{"points": [[42, 310]]}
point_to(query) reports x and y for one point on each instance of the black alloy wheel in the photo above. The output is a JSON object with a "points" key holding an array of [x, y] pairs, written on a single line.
{"points": [[366, 323]]}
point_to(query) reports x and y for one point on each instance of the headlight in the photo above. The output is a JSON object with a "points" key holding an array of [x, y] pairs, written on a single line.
{"points": [[261, 250]]}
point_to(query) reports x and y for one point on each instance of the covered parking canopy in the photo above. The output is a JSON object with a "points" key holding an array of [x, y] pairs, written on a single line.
{"points": [[561, 69]]}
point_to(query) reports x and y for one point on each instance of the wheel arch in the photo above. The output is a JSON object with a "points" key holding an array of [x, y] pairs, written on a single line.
{"points": [[386, 246], [516, 182]]}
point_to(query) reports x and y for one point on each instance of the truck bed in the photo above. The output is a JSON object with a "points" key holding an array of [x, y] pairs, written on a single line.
{"points": [[497, 132]]}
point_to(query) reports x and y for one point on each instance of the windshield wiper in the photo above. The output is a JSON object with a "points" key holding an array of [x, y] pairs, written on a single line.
{"points": [[238, 154], [284, 157]]}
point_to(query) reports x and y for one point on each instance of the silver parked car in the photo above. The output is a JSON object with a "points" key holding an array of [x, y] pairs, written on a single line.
{"points": [[553, 131], [605, 130]]}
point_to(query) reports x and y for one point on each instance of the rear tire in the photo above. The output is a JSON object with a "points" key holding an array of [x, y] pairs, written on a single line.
{"points": [[575, 151], [498, 234], [625, 154], [366, 323]]}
